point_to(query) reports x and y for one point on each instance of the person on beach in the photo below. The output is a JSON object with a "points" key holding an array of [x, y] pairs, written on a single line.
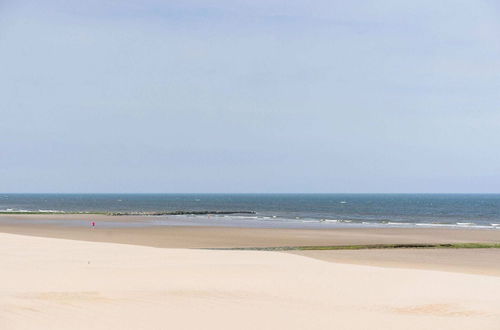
{"points": [[93, 224]]}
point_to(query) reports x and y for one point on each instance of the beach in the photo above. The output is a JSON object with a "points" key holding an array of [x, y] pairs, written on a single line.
{"points": [[131, 230], [55, 277], [56, 284], [249, 165]]}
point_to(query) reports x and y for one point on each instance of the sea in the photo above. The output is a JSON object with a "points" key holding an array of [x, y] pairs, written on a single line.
{"points": [[280, 210]]}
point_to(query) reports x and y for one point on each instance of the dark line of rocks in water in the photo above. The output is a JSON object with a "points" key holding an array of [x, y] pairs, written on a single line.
{"points": [[182, 213], [131, 213]]}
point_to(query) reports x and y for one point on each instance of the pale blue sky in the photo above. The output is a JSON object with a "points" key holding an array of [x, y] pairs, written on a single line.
{"points": [[249, 96]]}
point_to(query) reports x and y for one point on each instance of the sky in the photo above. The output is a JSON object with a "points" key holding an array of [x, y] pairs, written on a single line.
{"points": [[249, 96]]}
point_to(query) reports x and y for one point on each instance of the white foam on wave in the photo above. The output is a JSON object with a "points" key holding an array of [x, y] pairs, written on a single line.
{"points": [[436, 224], [248, 218], [458, 225], [15, 211]]}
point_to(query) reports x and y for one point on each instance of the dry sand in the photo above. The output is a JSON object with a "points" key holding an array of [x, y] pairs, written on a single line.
{"points": [[48, 283], [471, 261]]}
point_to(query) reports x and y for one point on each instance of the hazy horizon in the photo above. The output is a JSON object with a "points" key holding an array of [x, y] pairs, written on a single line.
{"points": [[249, 96], [241, 193]]}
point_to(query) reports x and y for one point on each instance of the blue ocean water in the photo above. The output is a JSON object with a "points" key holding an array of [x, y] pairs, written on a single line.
{"points": [[392, 209]]}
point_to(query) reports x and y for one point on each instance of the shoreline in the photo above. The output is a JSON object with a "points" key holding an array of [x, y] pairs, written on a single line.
{"points": [[243, 219], [132, 231], [181, 233]]}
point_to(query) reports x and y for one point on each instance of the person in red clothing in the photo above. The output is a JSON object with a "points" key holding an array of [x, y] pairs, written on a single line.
{"points": [[93, 224]]}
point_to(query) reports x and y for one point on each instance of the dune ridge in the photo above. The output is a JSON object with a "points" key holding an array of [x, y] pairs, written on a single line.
{"points": [[59, 284]]}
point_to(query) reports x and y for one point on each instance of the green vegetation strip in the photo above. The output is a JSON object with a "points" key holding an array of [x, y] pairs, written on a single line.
{"points": [[371, 247]]}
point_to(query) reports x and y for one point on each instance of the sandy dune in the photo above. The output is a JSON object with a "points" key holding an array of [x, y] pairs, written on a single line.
{"points": [[50, 283], [472, 261]]}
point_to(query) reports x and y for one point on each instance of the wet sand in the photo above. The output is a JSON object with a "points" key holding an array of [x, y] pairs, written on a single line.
{"points": [[132, 232], [475, 261]]}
